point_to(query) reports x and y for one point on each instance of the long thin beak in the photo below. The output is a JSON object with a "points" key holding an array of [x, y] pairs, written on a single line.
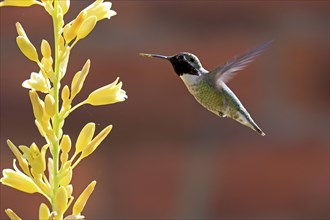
{"points": [[155, 55]]}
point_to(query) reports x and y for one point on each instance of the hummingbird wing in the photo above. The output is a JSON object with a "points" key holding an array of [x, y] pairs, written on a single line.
{"points": [[224, 73]]}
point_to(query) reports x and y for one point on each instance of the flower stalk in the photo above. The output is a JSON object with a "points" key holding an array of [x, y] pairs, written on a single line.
{"points": [[51, 111]]}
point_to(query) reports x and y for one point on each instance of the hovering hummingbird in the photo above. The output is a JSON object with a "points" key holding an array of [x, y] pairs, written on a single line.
{"points": [[209, 87]]}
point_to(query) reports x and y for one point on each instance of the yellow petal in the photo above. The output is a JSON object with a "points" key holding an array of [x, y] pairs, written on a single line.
{"points": [[91, 147], [18, 181], [85, 136], [44, 212], [19, 3], [27, 48], [82, 199], [86, 27], [12, 215]]}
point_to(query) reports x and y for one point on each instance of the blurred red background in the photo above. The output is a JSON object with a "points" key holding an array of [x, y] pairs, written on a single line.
{"points": [[167, 157]]}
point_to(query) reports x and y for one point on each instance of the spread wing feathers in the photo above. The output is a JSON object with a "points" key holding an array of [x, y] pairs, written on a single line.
{"points": [[224, 73]]}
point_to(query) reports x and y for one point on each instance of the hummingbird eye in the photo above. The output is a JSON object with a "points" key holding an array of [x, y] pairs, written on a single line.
{"points": [[191, 59]]}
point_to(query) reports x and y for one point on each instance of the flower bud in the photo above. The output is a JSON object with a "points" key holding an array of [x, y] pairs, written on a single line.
{"points": [[27, 48], [85, 136], [43, 211], [82, 199], [45, 49], [18, 3], [10, 213], [65, 5], [50, 107], [91, 147], [61, 201], [79, 79], [86, 27]]}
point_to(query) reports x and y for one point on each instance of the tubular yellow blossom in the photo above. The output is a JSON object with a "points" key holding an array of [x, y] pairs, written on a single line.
{"points": [[19, 3], [21, 160], [65, 5], [37, 82], [20, 30], [35, 157], [108, 94], [19, 181], [100, 9], [45, 49], [86, 27], [61, 201], [91, 147], [72, 30], [12, 215], [37, 105], [85, 136], [82, 199], [27, 48], [43, 211], [79, 79], [50, 107]]}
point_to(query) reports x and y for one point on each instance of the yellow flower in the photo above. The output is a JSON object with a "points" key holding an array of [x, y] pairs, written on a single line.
{"points": [[19, 3], [100, 9], [37, 82], [108, 94], [35, 157], [82, 199], [12, 215], [18, 180]]}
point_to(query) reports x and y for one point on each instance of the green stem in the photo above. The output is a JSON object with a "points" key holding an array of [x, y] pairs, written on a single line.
{"points": [[56, 121]]}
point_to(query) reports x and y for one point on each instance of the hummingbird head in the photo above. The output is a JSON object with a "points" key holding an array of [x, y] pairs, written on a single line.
{"points": [[183, 63]]}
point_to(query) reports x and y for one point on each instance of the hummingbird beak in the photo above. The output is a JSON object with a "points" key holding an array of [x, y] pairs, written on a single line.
{"points": [[155, 55]]}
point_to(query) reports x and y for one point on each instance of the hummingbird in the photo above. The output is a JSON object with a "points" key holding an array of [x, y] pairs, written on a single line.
{"points": [[209, 87]]}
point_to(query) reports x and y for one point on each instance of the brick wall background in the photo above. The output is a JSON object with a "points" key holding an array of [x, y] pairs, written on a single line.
{"points": [[167, 157]]}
